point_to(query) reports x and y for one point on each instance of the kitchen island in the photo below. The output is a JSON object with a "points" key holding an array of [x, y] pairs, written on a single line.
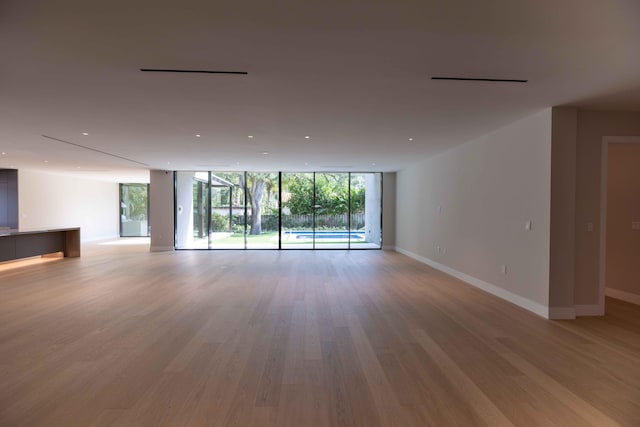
{"points": [[24, 244]]}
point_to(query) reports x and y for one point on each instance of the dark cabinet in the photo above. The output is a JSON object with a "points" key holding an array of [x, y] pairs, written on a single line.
{"points": [[9, 199]]}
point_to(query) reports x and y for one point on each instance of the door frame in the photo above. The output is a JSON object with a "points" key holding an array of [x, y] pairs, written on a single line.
{"points": [[606, 140]]}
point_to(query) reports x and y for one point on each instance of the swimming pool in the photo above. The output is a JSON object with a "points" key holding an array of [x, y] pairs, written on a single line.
{"points": [[324, 234]]}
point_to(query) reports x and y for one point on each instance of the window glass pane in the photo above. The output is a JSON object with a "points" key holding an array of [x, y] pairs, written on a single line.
{"points": [[267, 210], [331, 210], [227, 211], [297, 210], [262, 210], [192, 192], [366, 199], [134, 210]]}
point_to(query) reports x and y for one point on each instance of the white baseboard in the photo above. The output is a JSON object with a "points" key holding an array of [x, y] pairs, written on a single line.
{"points": [[622, 295], [562, 313], [589, 310], [534, 307], [161, 248]]}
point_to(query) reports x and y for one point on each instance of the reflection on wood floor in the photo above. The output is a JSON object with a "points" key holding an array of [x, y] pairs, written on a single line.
{"points": [[122, 336]]}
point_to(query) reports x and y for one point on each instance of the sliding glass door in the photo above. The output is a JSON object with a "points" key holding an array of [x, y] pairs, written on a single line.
{"points": [[331, 210], [192, 207], [271, 210], [365, 211], [263, 205], [298, 213], [227, 210]]}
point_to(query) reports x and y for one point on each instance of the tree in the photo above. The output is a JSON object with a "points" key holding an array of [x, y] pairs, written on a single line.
{"points": [[330, 195], [134, 198], [256, 196], [300, 188], [258, 185]]}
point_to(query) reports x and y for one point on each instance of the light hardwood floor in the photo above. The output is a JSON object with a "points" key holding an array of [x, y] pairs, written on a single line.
{"points": [[122, 336]]}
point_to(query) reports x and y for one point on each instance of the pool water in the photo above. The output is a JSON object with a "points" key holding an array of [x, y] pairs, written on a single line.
{"points": [[325, 234]]}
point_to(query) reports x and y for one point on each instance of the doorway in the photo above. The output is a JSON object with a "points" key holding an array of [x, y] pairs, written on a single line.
{"points": [[620, 220]]}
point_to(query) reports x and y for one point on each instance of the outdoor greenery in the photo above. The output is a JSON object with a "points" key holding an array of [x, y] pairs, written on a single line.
{"points": [[331, 194], [134, 201], [327, 202], [261, 196], [219, 222]]}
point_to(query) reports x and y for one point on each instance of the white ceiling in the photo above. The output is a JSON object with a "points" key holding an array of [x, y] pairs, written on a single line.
{"points": [[352, 75]]}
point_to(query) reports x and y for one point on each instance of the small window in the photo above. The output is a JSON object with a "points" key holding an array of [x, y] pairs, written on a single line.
{"points": [[134, 210]]}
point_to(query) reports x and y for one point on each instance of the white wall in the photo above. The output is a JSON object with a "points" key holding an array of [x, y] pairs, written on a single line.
{"points": [[161, 210], [372, 207], [184, 209], [473, 202], [622, 272], [563, 211], [592, 127], [48, 201]]}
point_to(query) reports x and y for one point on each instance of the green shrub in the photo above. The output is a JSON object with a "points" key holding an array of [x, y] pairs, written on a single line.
{"points": [[219, 222]]}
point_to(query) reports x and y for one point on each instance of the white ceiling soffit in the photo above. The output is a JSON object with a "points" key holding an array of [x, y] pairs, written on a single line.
{"points": [[327, 83]]}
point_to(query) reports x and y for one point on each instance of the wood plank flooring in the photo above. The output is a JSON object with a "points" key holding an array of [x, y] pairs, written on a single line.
{"points": [[124, 337]]}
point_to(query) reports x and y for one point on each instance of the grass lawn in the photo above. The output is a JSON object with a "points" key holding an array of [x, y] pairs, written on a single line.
{"points": [[238, 238], [272, 238]]}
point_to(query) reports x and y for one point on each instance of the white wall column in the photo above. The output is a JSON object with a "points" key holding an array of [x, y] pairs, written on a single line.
{"points": [[184, 209], [161, 210], [372, 200]]}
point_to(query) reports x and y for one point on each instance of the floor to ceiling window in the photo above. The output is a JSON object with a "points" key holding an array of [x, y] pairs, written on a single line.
{"points": [[192, 207], [332, 210], [263, 205], [228, 211], [134, 210], [272, 210], [365, 221], [298, 213]]}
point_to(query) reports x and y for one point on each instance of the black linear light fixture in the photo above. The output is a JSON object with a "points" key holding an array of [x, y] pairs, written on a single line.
{"points": [[94, 150], [166, 70], [474, 79]]}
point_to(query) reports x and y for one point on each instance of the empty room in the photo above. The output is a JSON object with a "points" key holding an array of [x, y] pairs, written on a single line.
{"points": [[319, 213]]}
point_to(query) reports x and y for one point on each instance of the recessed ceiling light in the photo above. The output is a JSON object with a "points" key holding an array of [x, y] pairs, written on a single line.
{"points": [[373, 164], [307, 137], [306, 163], [410, 139], [198, 135], [265, 152], [77, 167], [85, 133], [250, 136], [3, 153], [46, 161]]}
